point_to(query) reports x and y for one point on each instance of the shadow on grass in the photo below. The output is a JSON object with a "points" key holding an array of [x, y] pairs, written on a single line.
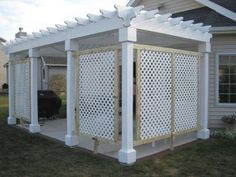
{"points": [[26, 155]]}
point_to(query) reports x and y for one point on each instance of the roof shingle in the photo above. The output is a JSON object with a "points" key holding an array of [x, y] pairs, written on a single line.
{"points": [[207, 16]]}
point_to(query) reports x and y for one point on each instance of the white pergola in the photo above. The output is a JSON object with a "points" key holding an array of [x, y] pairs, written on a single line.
{"points": [[125, 26]]}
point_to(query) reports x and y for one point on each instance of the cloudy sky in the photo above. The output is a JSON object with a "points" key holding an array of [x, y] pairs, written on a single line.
{"points": [[33, 15]]}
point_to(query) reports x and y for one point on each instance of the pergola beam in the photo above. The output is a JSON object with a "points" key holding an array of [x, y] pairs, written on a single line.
{"points": [[77, 32], [121, 17], [176, 31]]}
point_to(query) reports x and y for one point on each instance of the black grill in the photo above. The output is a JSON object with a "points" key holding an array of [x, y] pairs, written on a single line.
{"points": [[48, 104]]}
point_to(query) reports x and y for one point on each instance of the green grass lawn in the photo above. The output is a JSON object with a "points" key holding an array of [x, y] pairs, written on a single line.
{"points": [[26, 155], [3, 105]]}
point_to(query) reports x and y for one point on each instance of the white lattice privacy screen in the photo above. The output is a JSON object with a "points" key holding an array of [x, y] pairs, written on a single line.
{"points": [[167, 92], [186, 92], [22, 89], [155, 94], [97, 99]]}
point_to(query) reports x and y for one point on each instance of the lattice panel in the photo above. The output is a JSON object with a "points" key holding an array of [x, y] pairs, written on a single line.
{"points": [[155, 90], [186, 92], [22, 90], [97, 94]]}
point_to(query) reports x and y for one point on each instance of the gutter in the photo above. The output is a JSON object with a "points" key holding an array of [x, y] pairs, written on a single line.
{"points": [[223, 30]]}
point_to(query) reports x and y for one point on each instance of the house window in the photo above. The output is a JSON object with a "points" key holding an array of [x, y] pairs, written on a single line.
{"points": [[227, 79]]}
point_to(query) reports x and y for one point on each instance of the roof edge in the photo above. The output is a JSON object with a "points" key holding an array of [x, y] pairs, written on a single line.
{"points": [[216, 7], [219, 9], [223, 30], [133, 2]]}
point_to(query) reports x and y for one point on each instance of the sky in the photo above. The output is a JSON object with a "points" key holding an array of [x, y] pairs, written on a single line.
{"points": [[34, 15]]}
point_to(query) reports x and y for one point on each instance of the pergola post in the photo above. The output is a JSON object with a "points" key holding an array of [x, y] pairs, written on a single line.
{"points": [[71, 138], [11, 119], [127, 36], [205, 48], [33, 55]]}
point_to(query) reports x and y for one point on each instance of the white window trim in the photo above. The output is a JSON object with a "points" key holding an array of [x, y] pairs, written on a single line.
{"points": [[217, 81]]}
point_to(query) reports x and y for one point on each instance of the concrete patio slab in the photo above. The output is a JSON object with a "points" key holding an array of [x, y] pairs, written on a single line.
{"points": [[57, 129]]}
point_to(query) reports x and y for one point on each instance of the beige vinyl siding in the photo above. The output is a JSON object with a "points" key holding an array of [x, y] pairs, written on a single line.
{"points": [[3, 60], [220, 44], [170, 6]]}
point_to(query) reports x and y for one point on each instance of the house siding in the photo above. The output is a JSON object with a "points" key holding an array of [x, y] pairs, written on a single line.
{"points": [[56, 71], [220, 44], [39, 74], [3, 72], [170, 6]]}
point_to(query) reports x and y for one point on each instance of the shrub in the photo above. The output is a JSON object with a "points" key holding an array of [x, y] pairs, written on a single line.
{"points": [[57, 83], [230, 119], [4, 86], [224, 136]]}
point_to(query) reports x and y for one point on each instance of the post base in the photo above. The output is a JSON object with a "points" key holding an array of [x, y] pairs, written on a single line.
{"points": [[203, 134], [127, 157], [11, 120], [71, 140], [34, 128]]}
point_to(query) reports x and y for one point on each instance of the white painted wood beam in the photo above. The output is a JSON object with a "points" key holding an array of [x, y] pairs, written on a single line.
{"points": [[70, 24], [151, 14], [144, 16], [196, 26], [94, 18], [177, 31], [82, 21], [77, 32], [24, 38], [107, 14], [162, 18], [18, 40], [51, 30], [44, 32], [127, 13], [30, 37], [60, 27], [205, 28], [175, 21], [111, 20], [37, 35], [187, 24]]}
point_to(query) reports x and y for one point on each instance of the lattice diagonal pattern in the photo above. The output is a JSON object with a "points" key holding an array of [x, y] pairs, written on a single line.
{"points": [[186, 92], [96, 94], [155, 88], [22, 90]]}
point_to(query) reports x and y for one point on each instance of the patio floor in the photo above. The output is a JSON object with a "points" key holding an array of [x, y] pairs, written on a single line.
{"points": [[57, 129]]}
